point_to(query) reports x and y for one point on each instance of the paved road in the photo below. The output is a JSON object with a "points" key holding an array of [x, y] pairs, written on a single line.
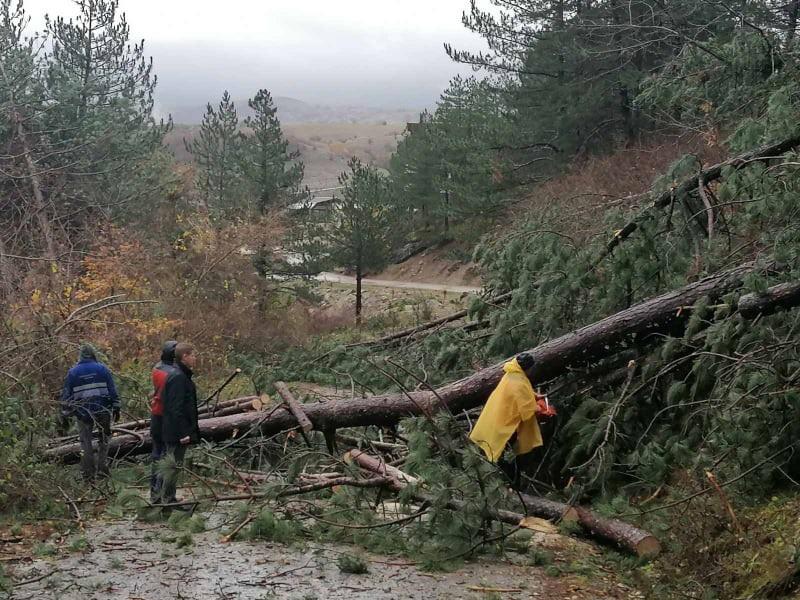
{"points": [[405, 285]]}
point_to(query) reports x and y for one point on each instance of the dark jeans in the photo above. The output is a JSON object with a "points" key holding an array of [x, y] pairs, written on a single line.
{"points": [[176, 452], [156, 454], [89, 467]]}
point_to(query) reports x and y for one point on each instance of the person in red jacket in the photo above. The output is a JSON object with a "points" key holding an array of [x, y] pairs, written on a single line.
{"points": [[160, 373], [180, 418]]}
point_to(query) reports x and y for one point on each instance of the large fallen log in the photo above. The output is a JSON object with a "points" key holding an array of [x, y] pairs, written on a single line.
{"points": [[229, 407], [776, 298], [622, 534], [664, 314]]}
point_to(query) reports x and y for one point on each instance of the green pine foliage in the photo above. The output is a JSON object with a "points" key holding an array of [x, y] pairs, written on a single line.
{"points": [[449, 168], [361, 235], [351, 563], [76, 125], [268, 526], [217, 152], [720, 396], [270, 167]]}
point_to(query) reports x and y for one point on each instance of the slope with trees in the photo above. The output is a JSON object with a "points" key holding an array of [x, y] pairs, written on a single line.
{"points": [[664, 319]]}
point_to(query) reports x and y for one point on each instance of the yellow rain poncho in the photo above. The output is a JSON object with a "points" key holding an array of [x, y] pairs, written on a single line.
{"points": [[510, 408]]}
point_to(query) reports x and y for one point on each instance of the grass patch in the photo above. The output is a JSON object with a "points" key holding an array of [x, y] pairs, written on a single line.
{"points": [[539, 557]]}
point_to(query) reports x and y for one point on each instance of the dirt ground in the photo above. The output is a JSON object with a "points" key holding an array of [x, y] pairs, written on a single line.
{"points": [[399, 307], [132, 560], [433, 266]]}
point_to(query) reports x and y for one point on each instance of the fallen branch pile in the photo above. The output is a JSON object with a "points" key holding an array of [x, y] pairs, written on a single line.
{"points": [[624, 535], [636, 326]]}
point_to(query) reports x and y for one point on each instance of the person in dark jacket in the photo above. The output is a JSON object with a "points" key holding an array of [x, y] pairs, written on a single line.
{"points": [[159, 375], [180, 426], [90, 396]]}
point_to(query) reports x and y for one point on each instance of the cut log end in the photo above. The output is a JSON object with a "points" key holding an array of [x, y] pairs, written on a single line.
{"points": [[647, 547], [570, 515]]}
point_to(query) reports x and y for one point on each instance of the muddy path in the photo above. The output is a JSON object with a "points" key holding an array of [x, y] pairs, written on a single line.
{"points": [[132, 560], [328, 277]]}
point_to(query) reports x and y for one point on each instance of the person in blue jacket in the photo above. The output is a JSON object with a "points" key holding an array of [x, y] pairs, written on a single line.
{"points": [[90, 396]]}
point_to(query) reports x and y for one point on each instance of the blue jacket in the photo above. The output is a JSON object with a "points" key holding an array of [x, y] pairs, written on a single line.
{"points": [[88, 389]]}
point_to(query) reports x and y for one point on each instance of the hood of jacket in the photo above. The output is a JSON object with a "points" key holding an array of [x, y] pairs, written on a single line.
{"points": [[87, 352], [168, 352], [512, 366]]}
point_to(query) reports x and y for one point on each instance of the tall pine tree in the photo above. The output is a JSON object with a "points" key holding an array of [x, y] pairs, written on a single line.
{"points": [[362, 231], [274, 172], [216, 151], [100, 90]]}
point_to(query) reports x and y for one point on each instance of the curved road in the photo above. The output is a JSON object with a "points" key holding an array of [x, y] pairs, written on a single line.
{"points": [[405, 285]]}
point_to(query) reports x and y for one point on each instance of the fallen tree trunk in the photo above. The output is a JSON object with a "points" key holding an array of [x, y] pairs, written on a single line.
{"points": [[621, 534], [294, 406], [229, 407], [391, 339], [776, 298], [624, 535], [398, 481], [693, 182], [665, 314]]}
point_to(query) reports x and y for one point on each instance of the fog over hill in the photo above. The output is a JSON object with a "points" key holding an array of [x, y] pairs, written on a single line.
{"points": [[292, 110]]}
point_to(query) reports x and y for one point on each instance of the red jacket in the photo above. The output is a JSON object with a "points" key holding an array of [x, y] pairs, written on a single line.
{"points": [[159, 375]]}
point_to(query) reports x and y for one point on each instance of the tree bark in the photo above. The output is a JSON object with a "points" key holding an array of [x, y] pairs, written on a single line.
{"points": [[622, 534], [791, 27], [227, 408], [294, 406], [359, 276], [776, 298], [39, 204], [665, 314]]}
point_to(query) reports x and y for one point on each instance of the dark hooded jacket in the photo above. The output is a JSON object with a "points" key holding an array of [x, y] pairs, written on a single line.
{"points": [[180, 406], [161, 371]]}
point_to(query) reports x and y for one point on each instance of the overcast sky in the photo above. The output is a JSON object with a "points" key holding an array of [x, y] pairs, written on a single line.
{"points": [[386, 53]]}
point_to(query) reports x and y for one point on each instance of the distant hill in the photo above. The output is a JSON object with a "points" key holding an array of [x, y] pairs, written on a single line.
{"points": [[292, 110], [325, 147]]}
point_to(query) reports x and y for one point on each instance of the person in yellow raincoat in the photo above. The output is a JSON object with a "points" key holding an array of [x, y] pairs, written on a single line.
{"points": [[511, 409]]}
